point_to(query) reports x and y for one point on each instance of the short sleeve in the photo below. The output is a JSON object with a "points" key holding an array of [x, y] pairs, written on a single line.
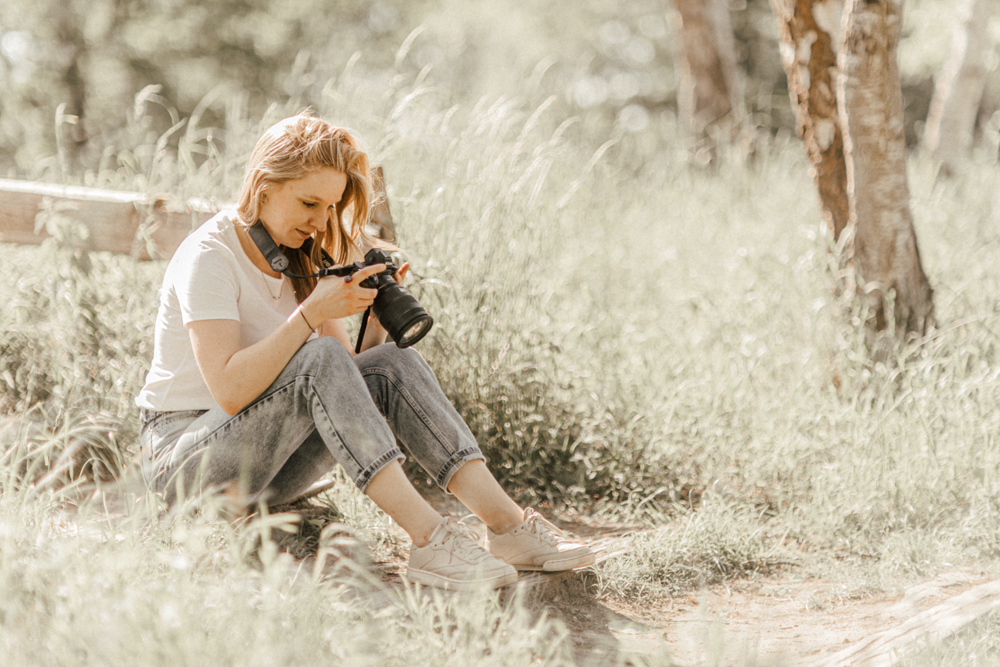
{"points": [[206, 284]]}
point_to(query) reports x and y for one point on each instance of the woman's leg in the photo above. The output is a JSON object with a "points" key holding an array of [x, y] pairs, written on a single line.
{"points": [[393, 492], [318, 402], [479, 490], [408, 394]]}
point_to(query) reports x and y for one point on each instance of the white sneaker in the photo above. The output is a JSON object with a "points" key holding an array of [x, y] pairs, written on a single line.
{"points": [[453, 560], [538, 545]]}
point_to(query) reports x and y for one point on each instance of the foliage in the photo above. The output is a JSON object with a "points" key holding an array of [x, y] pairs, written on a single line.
{"points": [[712, 545], [194, 589]]}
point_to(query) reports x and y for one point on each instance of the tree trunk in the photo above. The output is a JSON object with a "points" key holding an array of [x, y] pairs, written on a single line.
{"points": [[809, 31], [882, 245], [711, 89], [959, 87]]}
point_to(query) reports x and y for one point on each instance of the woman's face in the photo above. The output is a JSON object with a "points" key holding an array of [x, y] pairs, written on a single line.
{"points": [[297, 209]]}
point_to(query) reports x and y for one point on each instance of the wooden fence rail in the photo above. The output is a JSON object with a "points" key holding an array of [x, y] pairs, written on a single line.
{"points": [[131, 223]]}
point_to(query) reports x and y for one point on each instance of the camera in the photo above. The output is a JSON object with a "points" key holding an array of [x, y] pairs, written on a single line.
{"points": [[396, 309]]}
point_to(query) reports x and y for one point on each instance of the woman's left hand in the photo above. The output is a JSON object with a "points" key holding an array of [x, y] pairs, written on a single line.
{"points": [[399, 275]]}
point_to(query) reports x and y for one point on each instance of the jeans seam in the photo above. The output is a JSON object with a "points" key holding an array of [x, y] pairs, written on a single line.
{"points": [[411, 403], [366, 475], [326, 415], [453, 462]]}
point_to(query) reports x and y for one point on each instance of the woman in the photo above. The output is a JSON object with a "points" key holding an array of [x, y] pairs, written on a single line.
{"points": [[255, 390]]}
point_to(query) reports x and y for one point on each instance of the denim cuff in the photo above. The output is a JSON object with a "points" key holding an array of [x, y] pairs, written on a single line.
{"points": [[457, 460], [368, 474]]}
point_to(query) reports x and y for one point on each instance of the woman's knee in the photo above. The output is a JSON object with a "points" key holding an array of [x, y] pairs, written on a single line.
{"points": [[400, 362], [323, 352]]}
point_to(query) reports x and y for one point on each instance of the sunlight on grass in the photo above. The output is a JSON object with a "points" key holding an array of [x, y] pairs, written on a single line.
{"points": [[625, 331]]}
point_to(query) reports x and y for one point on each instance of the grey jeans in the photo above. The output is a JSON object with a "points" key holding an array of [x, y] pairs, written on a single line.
{"points": [[325, 407]]}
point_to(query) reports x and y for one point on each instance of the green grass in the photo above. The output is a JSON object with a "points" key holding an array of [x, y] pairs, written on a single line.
{"points": [[626, 331]]}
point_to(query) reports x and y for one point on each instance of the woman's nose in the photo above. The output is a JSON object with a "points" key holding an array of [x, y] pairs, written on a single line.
{"points": [[319, 221]]}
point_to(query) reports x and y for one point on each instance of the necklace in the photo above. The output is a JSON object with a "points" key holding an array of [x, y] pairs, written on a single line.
{"points": [[267, 285]]}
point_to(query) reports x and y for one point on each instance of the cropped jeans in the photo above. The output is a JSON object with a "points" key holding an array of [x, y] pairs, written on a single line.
{"points": [[325, 407]]}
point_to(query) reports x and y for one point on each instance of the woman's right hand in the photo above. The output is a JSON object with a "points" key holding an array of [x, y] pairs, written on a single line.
{"points": [[335, 298]]}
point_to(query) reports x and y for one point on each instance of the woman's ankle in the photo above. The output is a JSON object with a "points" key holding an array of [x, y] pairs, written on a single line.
{"points": [[421, 537]]}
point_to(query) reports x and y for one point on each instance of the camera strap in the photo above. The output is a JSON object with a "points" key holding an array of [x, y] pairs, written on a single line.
{"points": [[361, 331], [279, 262], [277, 259]]}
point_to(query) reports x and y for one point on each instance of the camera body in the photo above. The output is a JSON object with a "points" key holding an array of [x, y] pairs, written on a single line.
{"points": [[396, 309], [374, 256]]}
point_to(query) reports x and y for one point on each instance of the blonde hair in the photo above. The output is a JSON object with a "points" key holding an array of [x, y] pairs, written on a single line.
{"points": [[288, 150]]}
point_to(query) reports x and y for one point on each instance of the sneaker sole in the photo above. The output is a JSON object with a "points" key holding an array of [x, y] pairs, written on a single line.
{"points": [[447, 583], [583, 560]]}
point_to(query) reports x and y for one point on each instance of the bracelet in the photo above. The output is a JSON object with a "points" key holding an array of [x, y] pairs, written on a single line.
{"points": [[303, 314]]}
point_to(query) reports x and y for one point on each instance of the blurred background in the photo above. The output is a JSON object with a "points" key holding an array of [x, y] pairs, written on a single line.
{"points": [[70, 70]]}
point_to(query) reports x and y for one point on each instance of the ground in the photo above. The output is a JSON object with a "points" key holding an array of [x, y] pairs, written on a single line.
{"points": [[782, 619]]}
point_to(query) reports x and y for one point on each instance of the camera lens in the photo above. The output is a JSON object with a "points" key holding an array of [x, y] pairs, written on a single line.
{"points": [[415, 333], [405, 320]]}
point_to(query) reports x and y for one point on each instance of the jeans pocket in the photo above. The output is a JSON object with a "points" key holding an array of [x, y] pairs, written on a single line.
{"points": [[166, 422], [158, 436]]}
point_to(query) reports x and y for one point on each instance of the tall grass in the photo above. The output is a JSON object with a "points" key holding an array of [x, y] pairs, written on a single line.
{"points": [[624, 329], [89, 589]]}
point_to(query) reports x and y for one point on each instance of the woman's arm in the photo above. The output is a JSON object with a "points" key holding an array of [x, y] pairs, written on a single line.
{"points": [[236, 376]]}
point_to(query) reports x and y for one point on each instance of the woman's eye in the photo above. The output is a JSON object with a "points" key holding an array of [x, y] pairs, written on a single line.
{"points": [[309, 204]]}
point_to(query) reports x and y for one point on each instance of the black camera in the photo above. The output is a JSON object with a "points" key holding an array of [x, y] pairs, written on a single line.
{"points": [[396, 309]]}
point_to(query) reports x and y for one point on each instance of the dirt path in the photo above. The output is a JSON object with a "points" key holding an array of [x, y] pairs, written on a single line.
{"points": [[783, 620], [777, 621]]}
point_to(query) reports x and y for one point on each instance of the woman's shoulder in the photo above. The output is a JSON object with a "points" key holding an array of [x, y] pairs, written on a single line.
{"points": [[219, 229], [215, 239], [218, 234]]}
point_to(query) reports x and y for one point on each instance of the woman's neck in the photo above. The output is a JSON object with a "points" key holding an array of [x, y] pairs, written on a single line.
{"points": [[253, 253]]}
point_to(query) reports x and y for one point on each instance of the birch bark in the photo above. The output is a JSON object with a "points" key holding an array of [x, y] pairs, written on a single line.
{"points": [[882, 245], [809, 33]]}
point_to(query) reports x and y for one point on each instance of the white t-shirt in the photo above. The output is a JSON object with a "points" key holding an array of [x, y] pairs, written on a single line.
{"points": [[209, 277]]}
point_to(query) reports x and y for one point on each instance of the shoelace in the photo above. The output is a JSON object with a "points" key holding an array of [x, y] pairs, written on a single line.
{"points": [[542, 529], [461, 542]]}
